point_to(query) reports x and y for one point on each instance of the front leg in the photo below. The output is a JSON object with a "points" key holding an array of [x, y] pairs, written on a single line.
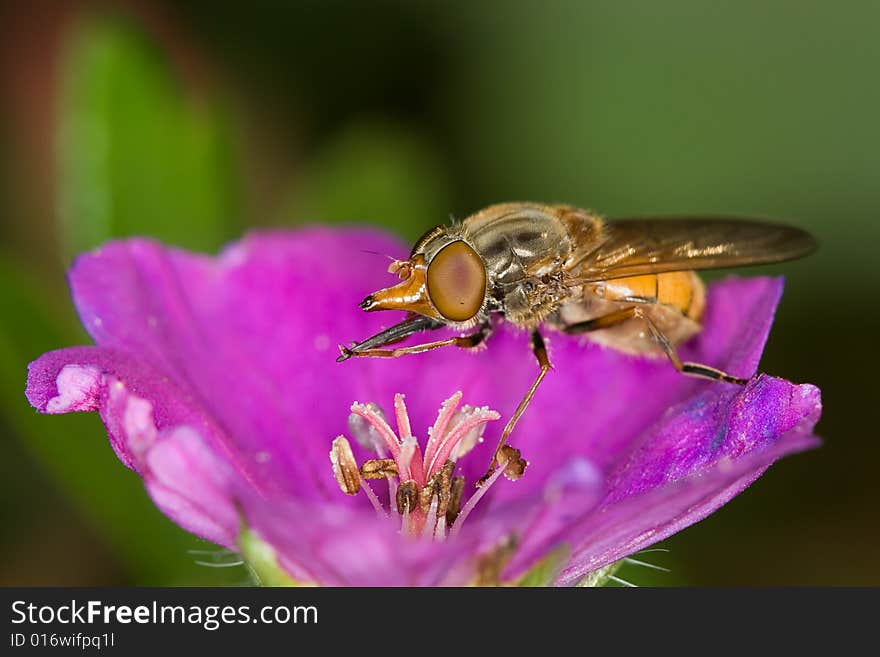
{"points": [[412, 324], [463, 342]]}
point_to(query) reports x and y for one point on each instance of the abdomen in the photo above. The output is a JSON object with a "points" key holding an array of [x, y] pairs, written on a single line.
{"points": [[682, 291], [674, 301]]}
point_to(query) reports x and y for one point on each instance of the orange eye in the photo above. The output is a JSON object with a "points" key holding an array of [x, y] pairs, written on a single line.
{"points": [[457, 282]]}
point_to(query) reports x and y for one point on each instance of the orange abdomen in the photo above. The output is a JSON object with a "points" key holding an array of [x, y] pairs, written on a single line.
{"points": [[680, 290]]}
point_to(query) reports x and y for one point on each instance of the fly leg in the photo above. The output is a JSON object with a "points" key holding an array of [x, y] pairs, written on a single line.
{"points": [[412, 324], [540, 351], [463, 342], [634, 312]]}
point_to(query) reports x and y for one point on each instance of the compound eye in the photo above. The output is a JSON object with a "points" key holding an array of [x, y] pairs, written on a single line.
{"points": [[457, 282]]}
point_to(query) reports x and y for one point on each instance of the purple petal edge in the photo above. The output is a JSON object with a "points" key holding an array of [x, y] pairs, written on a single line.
{"points": [[622, 526]]}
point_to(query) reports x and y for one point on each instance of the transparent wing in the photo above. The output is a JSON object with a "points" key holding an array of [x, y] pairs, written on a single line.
{"points": [[632, 247]]}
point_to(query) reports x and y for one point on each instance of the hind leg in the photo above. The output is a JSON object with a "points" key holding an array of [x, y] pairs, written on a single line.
{"points": [[635, 312]]}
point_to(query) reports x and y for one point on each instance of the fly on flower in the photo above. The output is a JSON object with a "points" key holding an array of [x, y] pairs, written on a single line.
{"points": [[629, 284]]}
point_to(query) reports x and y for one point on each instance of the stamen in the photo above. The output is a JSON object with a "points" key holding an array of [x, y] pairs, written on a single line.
{"points": [[464, 429], [406, 523], [437, 491], [476, 497], [403, 428], [427, 494], [392, 494], [376, 420], [444, 487], [407, 497], [378, 469], [374, 500], [409, 449], [454, 507], [430, 519], [348, 476], [429, 501], [437, 431], [365, 434], [473, 437], [415, 463], [344, 466]]}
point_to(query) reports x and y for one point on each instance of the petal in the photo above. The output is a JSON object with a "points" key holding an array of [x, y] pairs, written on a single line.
{"points": [[340, 546], [193, 486], [155, 428], [661, 489], [711, 428], [572, 492], [250, 335], [134, 400], [641, 521]]}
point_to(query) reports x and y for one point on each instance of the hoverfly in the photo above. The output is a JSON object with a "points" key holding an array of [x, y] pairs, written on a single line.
{"points": [[630, 284]]}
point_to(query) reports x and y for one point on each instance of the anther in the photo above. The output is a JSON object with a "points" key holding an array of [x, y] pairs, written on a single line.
{"points": [[407, 496], [378, 468], [454, 506], [345, 467], [427, 493], [444, 487]]}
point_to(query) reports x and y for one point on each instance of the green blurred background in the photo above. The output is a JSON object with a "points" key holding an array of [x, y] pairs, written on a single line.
{"points": [[194, 121]]}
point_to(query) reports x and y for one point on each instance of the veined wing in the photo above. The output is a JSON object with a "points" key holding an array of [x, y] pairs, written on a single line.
{"points": [[632, 247]]}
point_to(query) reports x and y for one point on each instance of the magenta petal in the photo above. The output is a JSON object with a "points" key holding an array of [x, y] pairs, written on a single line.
{"points": [[193, 486], [672, 480], [340, 546], [572, 492], [712, 428], [152, 427], [641, 521], [134, 400], [249, 336]]}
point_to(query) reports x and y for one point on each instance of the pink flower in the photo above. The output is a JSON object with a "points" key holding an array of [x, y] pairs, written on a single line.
{"points": [[217, 382]]}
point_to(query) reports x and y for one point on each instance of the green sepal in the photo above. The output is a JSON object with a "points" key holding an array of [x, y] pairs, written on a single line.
{"points": [[601, 576], [547, 569], [263, 562]]}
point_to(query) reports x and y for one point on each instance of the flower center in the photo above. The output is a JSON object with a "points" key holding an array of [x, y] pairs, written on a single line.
{"points": [[423, 490]]}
